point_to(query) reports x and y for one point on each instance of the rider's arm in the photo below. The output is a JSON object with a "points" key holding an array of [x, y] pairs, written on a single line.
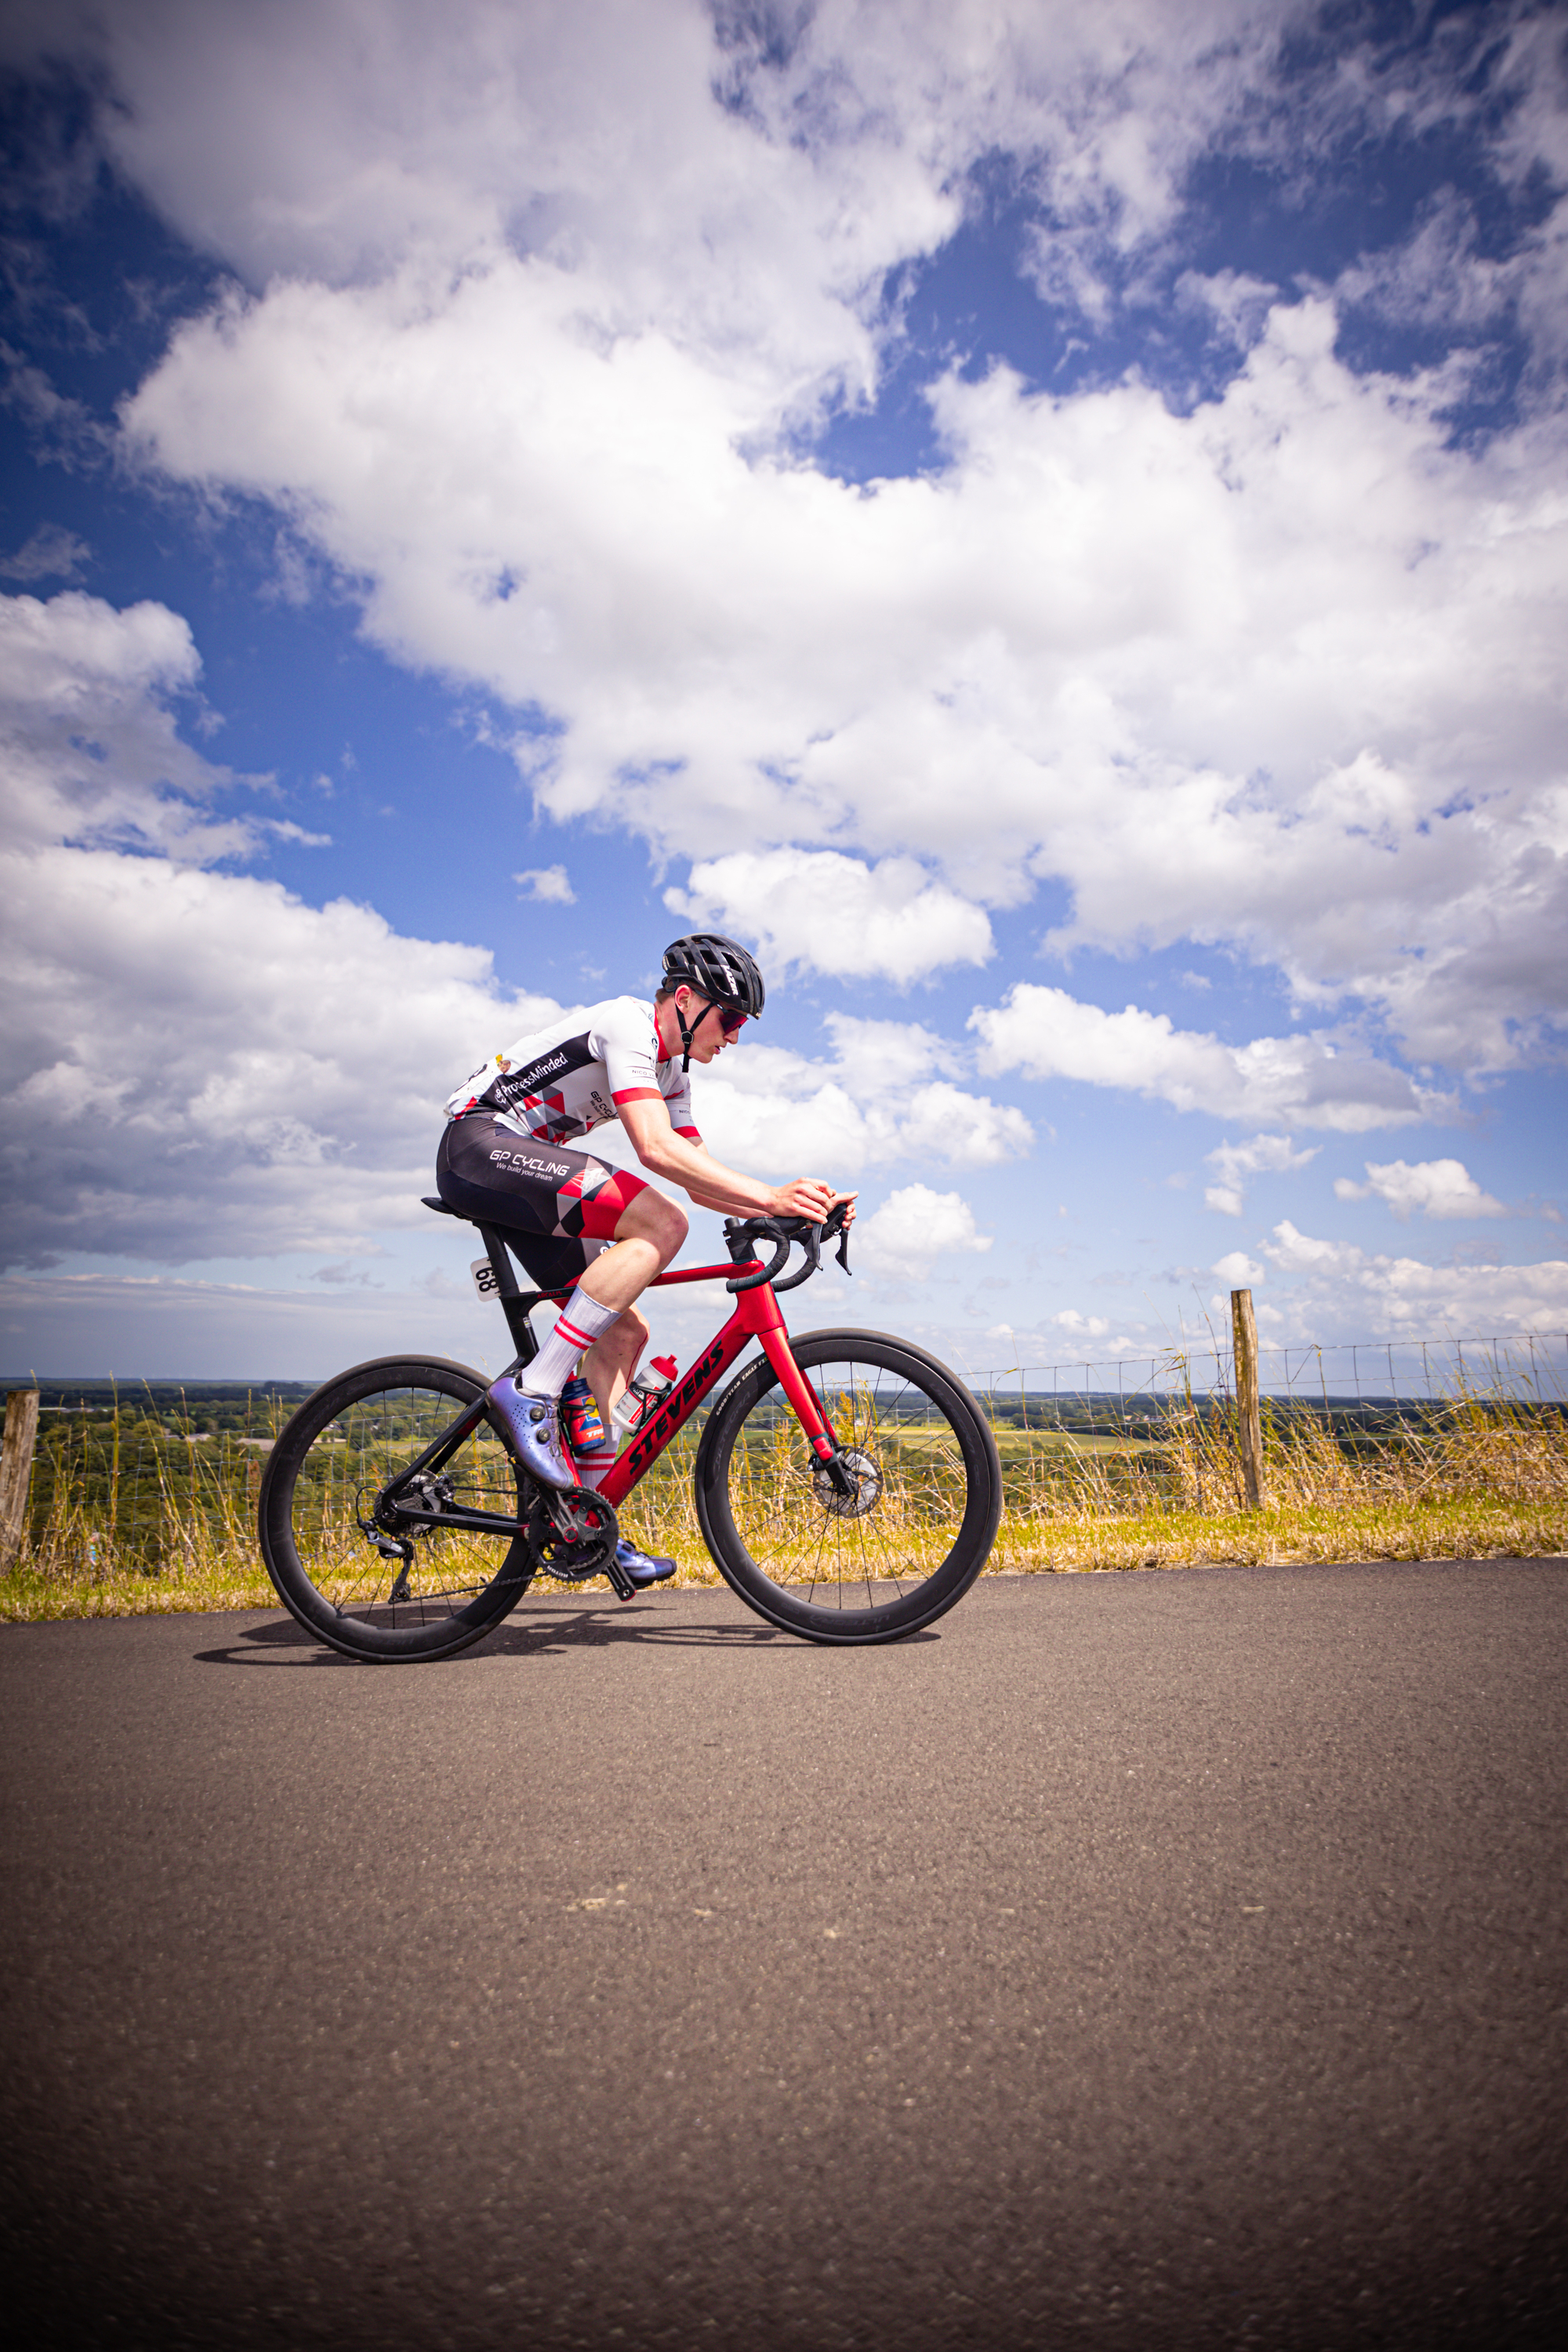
{"points": [[709, 1183]]}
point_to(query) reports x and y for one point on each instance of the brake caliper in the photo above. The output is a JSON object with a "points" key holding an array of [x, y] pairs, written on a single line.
{"points": [[849, 1484]]}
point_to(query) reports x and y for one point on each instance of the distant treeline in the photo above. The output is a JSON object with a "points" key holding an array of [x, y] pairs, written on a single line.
{"points": [[184, 1408], [1105, 1412], [248, 1408]]}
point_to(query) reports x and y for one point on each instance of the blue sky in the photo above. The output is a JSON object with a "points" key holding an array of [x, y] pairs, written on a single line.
{"points": [[1048, 523]]}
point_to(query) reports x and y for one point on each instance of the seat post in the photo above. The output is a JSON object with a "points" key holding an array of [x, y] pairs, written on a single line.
{"points": [[515, 1303]]}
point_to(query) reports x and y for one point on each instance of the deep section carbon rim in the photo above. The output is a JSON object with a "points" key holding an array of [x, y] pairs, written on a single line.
{"points": [[320, 1534], [909, 1542]]}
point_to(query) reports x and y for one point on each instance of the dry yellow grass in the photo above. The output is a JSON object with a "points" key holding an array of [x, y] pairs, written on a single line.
{"points": [[1464, 1526], [1487, 1478]]}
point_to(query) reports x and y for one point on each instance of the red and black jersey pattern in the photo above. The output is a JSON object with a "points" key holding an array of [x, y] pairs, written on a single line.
{"points": [[543, 1094], [560, 1083], [563, 1206]]}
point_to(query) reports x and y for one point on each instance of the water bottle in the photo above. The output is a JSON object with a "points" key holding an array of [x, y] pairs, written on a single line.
{"points": [[585, 1431], [646, 1394]]}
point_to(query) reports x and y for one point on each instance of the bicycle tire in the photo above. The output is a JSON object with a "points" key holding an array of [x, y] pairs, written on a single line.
{"points": [[322, 1476], [925, 1515]]}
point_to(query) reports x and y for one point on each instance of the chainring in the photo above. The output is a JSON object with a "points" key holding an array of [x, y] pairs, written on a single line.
{"points": [[571, 1533]]}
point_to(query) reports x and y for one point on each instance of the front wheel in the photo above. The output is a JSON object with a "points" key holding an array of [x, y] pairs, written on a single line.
{"points": [[907, 1544], [386, 1589]]}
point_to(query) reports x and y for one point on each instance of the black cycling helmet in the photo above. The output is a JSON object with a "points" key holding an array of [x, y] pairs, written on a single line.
{"points": [[717, 969]]}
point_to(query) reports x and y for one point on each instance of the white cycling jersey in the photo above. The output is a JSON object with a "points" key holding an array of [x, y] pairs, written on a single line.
{"points": [[560, 1082]]}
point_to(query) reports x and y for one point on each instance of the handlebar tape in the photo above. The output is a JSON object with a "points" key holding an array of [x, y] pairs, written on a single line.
{"points": [[784, 1231]]}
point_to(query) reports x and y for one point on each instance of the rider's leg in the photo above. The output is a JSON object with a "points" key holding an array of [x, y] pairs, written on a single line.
{"points": [[647, 1231], [613, 1357], [482, 1175], [648, 1236]]}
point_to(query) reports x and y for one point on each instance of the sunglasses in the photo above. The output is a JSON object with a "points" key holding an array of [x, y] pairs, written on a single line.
{"points": [[729, 1019]]}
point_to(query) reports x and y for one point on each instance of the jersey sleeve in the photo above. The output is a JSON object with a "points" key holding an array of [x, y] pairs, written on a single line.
{"points": [[470, 1093], [624, 1038], [676, 1093], [625, 1041]]}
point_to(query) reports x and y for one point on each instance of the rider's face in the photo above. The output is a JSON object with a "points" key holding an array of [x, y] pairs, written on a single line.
{"points": [[712, 1026]]}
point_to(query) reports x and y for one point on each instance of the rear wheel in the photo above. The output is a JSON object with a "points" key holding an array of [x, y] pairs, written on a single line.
{"points": [[928, 1491], [432, 1591]]}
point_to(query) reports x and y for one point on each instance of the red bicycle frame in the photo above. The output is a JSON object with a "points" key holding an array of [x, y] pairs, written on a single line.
{"points": [[756, 1316]]}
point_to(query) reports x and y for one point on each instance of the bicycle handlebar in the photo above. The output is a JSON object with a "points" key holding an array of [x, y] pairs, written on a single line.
{"points": [[739, 1234]]}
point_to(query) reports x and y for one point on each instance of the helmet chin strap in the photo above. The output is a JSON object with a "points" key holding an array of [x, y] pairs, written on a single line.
{"points": [[688, 1034]]}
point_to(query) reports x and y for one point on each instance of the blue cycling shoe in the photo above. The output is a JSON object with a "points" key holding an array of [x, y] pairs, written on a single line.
{"points": [[643, 1567], [534, 1425]]}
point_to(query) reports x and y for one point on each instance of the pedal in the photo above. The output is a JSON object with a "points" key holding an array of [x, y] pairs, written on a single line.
{"points": [[620, 1583]]}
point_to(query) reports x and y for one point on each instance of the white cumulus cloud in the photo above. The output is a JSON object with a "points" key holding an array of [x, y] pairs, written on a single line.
{"points": [[1438, 1188], [912, 1229], [1343, 1290], [541, 308], [1304, 1080], [1235, 1164], [88, 749], [835, 913], [194, 1063], [51, 553], [551, 885], [881, 1097]]}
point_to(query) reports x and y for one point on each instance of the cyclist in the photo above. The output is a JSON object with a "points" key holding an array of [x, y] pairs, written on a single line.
{"points": [[506, 1159]]}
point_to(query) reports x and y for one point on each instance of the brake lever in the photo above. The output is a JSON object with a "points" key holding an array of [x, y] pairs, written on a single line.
{"points": [[834, 1224]]}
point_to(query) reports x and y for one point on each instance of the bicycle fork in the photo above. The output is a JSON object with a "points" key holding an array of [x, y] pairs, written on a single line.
{"points": [[775, 1346]]}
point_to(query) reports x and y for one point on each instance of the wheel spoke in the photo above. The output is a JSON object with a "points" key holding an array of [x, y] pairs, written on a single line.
{"points": [[908, 1537], [324, 1520]]}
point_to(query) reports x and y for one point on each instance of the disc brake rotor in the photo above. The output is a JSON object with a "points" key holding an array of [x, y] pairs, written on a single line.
{"points": [[868, 1492]]}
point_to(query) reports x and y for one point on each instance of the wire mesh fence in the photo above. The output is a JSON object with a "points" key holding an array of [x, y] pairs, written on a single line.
{"points": [[1379, 1447], [1386, 1419], [158, 1482]]}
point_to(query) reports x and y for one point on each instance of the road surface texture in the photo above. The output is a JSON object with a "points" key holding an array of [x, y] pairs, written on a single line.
{"points": [[1152, 1960]]}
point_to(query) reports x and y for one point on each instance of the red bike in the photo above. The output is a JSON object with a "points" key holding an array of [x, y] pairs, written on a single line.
{"points": [[846, 1484]]}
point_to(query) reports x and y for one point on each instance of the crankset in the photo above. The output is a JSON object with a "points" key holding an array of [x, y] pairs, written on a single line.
{"points": [[572, 1534]]}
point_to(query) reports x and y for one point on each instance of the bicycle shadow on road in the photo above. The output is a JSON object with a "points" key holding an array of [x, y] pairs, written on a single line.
{"points": [[562, 1624], [533, 1631]]}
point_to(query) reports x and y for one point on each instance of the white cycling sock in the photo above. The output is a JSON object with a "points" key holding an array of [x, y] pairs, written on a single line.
{"points": [[582, 1321]]}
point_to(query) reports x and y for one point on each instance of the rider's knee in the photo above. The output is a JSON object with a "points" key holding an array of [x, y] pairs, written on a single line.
{"points": [[667, 1225]]}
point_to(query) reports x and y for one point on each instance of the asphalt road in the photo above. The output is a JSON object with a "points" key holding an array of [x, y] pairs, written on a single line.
{"points": [[1152, 1960]]}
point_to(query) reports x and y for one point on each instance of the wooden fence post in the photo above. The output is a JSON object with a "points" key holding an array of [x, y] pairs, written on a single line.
{"points": [[1249, 1411], [16, 1470]]}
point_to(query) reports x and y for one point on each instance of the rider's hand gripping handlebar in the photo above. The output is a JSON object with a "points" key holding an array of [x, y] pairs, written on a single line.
{"points": [[741, 1232]]}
